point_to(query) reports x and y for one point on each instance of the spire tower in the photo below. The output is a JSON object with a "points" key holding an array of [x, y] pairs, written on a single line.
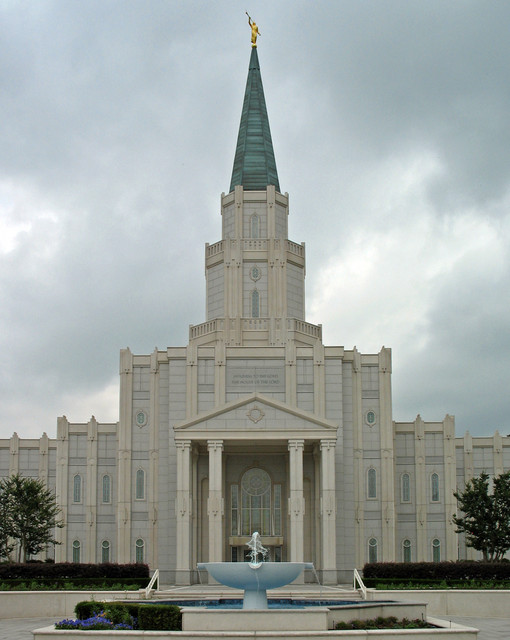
{"points": [[254, 162]]}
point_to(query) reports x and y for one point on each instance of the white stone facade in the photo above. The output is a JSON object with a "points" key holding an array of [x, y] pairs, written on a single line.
{"points": [[256, 425]]}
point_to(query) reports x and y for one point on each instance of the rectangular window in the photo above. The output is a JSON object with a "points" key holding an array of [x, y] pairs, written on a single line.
{"points": [[234, 511], [77, 488], [140, 485], [105, 551], [434, 481], [106, 489], [277, 510], [406, 488], [372, 484]]}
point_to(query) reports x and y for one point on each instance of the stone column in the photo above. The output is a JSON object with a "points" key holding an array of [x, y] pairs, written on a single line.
{"points": [[183, 512], [296, 500], [215, 502], [328, 511]]}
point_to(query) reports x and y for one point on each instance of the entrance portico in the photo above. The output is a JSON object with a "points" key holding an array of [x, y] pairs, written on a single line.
{"points": [[240, 464]]}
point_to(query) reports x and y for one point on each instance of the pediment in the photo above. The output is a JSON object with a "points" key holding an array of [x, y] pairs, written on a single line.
{"points": [[256, 416]]}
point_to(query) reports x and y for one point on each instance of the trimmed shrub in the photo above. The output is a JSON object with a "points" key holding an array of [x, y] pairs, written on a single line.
{"points": [[384, 623], [87, 608], [439, 571], [115, 611], [159, 617], [70, 570]]}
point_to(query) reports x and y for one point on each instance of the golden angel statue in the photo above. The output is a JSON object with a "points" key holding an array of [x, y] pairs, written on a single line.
{"points": [[254, 31]]}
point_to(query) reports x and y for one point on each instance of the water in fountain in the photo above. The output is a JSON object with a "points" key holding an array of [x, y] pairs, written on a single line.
{"points": [[256, 549]]}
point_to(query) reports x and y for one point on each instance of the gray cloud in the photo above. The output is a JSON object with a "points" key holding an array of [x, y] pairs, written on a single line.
{"points": [[117, 136]]}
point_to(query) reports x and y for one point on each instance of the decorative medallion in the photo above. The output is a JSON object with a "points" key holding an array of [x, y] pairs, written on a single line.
{"points": [[255, 414], [256, 482], [255, 274], [141, 419], [370, 418]]}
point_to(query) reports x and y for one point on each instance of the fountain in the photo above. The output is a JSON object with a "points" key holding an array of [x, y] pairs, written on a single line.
{"points": [[256, 576]]}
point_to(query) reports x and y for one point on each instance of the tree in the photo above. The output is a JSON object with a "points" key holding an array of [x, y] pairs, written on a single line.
{"points": [[29, 514], [486, 519]]}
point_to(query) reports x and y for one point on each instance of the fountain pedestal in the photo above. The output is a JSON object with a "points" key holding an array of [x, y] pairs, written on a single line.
{"points": [[255, 579]]}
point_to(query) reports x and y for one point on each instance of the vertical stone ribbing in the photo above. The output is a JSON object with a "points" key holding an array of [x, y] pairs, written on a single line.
{"points": [[296, 500], [215, 503], [183, 502]]}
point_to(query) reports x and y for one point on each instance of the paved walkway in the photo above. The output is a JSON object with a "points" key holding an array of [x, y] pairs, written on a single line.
{"points": [[490, 628]]}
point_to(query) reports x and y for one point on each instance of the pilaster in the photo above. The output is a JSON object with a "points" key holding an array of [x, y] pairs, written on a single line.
{"points": [[497, 444], [450, 484], [219, 372], [14, 454], [44, 449], [328, 511], [358, 472], [62, 486], [387, 461], [421, 490], [215, 503], [91, 491], [469, 472], [319, 380], [191, 380], [124, 481], [290, 373], [152, 485], [183, 513], [296, 500]]}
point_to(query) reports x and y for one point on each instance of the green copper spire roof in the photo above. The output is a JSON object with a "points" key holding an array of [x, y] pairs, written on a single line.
{"points": [[254, 163]]}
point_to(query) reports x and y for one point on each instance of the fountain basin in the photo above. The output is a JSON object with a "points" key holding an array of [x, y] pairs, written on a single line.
{"points": [[254, 579]]}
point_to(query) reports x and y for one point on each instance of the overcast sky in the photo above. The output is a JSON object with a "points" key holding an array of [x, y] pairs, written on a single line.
{"points": [[391, 129]]}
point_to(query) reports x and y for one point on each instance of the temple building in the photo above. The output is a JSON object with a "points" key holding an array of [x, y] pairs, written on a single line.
{"points": [[256, 425]]}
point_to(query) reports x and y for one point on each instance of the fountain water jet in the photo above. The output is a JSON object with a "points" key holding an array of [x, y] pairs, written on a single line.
{"points": [[255, 577]]}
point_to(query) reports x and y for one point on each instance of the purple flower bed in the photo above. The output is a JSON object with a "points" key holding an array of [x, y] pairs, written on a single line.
{"points": [[99, 622]]}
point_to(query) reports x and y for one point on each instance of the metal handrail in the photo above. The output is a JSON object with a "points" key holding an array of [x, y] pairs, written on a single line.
{"points": [[357, 580], [155, 578]]}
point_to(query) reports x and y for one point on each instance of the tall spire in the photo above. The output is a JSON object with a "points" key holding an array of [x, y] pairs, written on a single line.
{"points": [[254, 162]]}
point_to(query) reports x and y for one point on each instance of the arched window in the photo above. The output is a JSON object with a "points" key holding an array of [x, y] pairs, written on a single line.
{"points": [[256, 502], [107, 489], [76, 551], [140, 485], [77, 488], [372, 550], [139, 551], [105, 551], [434, 485], [371, 484], [405, 487], [406, 551], [255, 304], [436, 550], [255, 226]]}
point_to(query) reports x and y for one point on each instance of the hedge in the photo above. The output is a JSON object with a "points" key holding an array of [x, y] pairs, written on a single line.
{"points": [[151, 617], [427, 571], [68, 584], [159, 617], [88, 608], [70, 570]]}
